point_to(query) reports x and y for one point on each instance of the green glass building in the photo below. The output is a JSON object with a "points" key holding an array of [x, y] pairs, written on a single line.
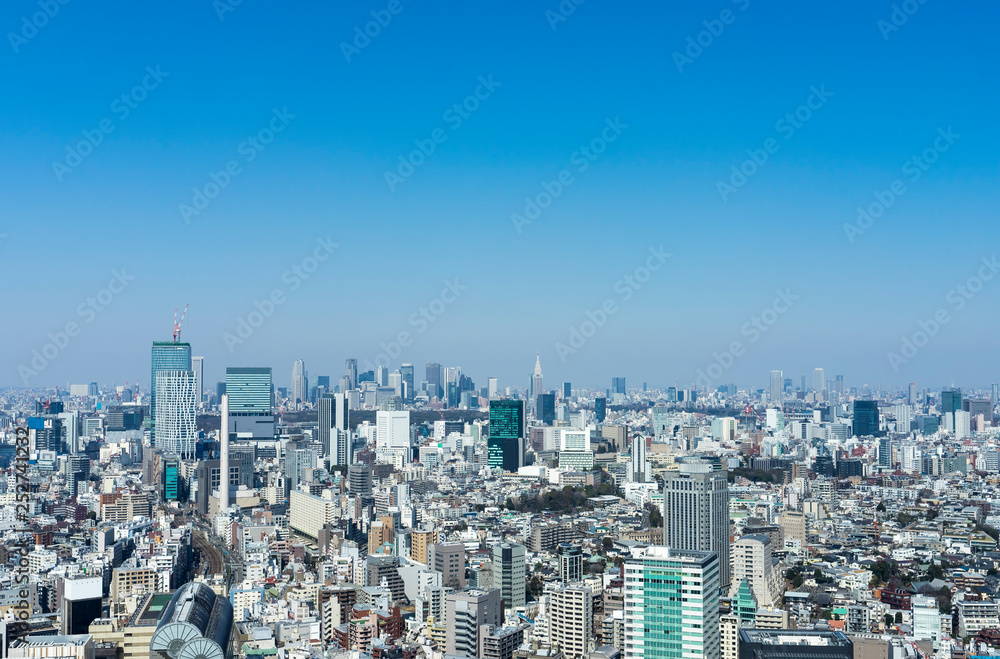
{"points": [[166, 356], [505, 445]]}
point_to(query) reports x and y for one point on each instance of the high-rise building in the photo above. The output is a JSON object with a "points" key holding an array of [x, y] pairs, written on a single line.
{"points": [[509, 573], [567, 390], [536, 379], [600, 409], [170, 478], [571, 619], [753, 562], [492, 388], [696, 513], [995, 398], [506, 441], [434, 377], [166, 356], [351, 372], [81, 603], [671, 604], [570, 562], [839, 384], [777, 396], [176, 408], [545, 408], [865, 421], [912, 397], [198, 366], [466, 614], [951, 402], [618, 385], [819, 380], [885, 452], [332, 432], [359, 478], [639, 471], [392, 429], [448, 558], [406, 373], [299, 392], [250, 393]]}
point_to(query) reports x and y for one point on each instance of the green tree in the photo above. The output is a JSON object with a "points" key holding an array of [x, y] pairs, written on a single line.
{"points": [[899, 617]]}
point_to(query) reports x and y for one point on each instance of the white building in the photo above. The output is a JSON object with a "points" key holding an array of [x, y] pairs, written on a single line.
{"points": [[392, 429], [571, 619], [176, 409]]}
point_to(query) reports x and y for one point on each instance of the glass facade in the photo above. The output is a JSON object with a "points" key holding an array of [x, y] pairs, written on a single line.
{"points": [[166, 356], [506, 434], [249, 390]]}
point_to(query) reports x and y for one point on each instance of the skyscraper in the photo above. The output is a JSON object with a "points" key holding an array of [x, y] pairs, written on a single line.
{"points": [[696, 513], [492, 388], [601, 409], [777, 397], [166, 356], [671, 604], [839, 384], [618, 385], [912, 397], [951, 402], [865, 421], [545, 408], [567, 390], [506, 442], [509, 573], [571, 619], [819, 380], [639, 467], [392, 429], [406, 372], [250, 392], [996, 395], [299, 392], [536, 378], [175, 413], [433, 376], [570, 562], [198, 366], [351, 372]]}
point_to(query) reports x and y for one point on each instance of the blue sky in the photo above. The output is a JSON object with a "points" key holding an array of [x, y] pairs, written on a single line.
{"points": [[324, 175]]}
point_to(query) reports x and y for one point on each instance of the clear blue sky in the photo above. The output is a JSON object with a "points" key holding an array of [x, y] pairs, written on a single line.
{"points": [[656, 184]]}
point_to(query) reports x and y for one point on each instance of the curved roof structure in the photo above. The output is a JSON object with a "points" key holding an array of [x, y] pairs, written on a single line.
{"points": [[197, 624]]}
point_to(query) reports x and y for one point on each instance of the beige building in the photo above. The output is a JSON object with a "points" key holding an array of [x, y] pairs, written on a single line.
{"points": [[729, 633], [308, 513], [794, 524], [419, 542], [752, 560], [571, 619], [74, 646]]}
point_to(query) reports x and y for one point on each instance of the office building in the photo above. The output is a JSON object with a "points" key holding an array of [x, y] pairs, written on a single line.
{"points": [[307, 513], [912, 394], [198, 366], [509, 573], [639, 471], [570, 562], [81, 603], [671, 604], [299, 393], [777, 394], [359, 478], [166, 356], [406, 373], [176, 410], [76, 646], [466, 615], [865, 421], [926, 618], [536, 381], [449, 559], [571, 619], [819, 380], [392, 429], [500, 643], [250, 392], [170, 478], [434, 378], [783, 644], [696, 513], [506, 441], [545, 408]]}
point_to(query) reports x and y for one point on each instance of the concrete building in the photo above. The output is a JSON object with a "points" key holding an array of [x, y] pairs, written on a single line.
{"points": [[467, 613], [509, 573], [571, 619], [753, 561], [449, 560], [696, 513]]}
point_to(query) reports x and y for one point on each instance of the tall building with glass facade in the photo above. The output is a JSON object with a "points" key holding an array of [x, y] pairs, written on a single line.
{"points": [[601, 409], [671, 604], [406, 372], [176, 405], [506, 442], [777, 395], [864, 423], [166, 356], [509, 573], [250, 392]]}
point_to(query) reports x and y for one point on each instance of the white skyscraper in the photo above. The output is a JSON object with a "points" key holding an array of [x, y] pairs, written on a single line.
{"points": [[536, 381], [198, 366], [392, 429], [223, 456], [819, 380], [902, 418], [176, 403], [671, 604], [299, 393], [639, 467], [777, 382], [491, 389]]}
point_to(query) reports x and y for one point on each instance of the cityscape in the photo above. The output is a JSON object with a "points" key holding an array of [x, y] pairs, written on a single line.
{"points": [[506, 329]]}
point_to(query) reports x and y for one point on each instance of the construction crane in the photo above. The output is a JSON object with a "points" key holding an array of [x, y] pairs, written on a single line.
{"points": [[177, 325]]}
